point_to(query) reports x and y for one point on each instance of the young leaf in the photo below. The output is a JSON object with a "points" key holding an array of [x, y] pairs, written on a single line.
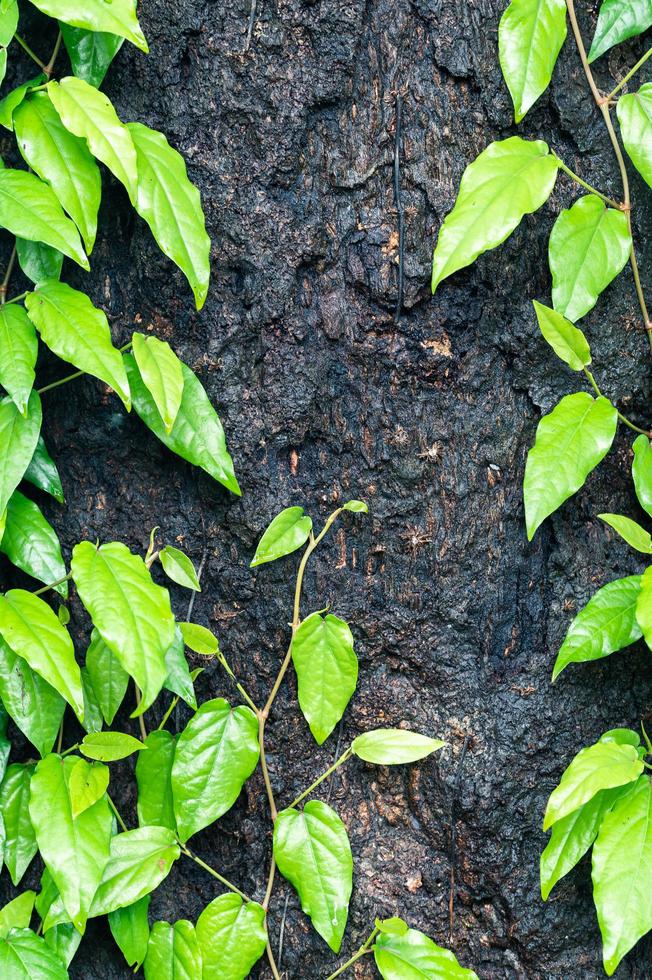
{"points": [[30, 209], [173, 952], [18, 350], [38, 261], [179, 679], [17, 914], [20, 839], [392, 927], [617, 21], [26, 956], [109, 746], [644, 606], [35, 707], [635, 117], [18, 438], [197, 434], [198, 639], [31, 543], [118, 17], [78, 332], [171, 206], [215, 755], [508, 180], [162, 375], [90, 52], [356, 507], [603, 765], [179, 568], [589, 245], [154, 778], [530, 37], [139, 861], [394, 746], [231, 936], [287, 532], [567, 341], [327, 671], [130, 929], [108, 677], [642, 472], [88, 783], [570, 442], [312, 851], [414, 954], [10, 103], [606, 624], [630, 531], [42, 472]]}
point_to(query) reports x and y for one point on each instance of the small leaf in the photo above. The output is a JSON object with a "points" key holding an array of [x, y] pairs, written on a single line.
{"points": [[287, 532], [139, 861], [415, 955], [619, 20], [109, 746], [117, 17], [231, 936], [43, 473], [179, 568], [154, 778], [108, 677], [10, 103], [130, 929], [642, 472], [392, 927], [635, 117], [30, 209], [26, 956], [327, 671], [18, 438], [179, 679], [198, 639], [356, 506], [394, 746], [63, 940], [88, 784], [173, 952], [17, 914], [567, 341], [20, 839], [90, 52], [18, 350], [35, 707], [530, 37], [162, 374], [38, 261], [630, 531], [31, 543]]}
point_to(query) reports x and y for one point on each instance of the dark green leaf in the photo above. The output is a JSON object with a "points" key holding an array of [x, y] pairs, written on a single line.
{"points": [[130, 929], [38, 261], [567, 341], [394, 746], [287, 532], [642, 472], [18, 350], [90, 52], [20, 842], [110, 680], [139, 861], [29, 209], [173, 953], [231, 936], [178, 567], [415, 955], [43, 473], [31, 543], [153, 775], [530, 37], [109, 746], [619, 20], [35, 707], [179, 679], [327, 671], [18, 437]]}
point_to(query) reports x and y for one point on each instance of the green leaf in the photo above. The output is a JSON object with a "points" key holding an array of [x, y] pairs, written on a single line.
{"points": [[31, 543], [603, 765], [635, 117], [215, 755], [8, 23], [20, 839], [63, 940], [287, 532], [75, 850], [392, 927], [11, 101], [327, 671], [130, 929], [18, 350], [198, 639], [130, 612], [35, 707], [38, 261], [197, 435], [605, 625], [78, 332], [26, 956], [43, 473], [414, 955], [567, 341], [139, 861], [171, 206], [89, 114], [90, 52], [530, 37], [33, 631], [88, 783], [589, 245], [630, 531], [29, 209], [179, 568], [356, 506], [231, 936], [18, 438], [154, 778], [508, 180], [622, 869], [642, 472], [109, 746], [162, 374], [108, 677], [394, 746], [570, 442], [179, 679], [93, 720], [644, 606], [118, 17], [173, 952], [17, 914], [617, 21], [5, 744]]}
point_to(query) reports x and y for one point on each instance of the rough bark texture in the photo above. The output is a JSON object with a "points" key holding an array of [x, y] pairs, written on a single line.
{"points": [[324, 396]]}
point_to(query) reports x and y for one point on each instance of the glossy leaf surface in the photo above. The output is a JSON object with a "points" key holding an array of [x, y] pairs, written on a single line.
{"points": [[178, 567], [26, 956], [18, 350], [11, 101], [87, 785], [567, 341], [18, 438], [109, 746], [231, 936], [173, 952], [31, 543], [117, 17], [20, 839], [631, 532], [35, 707], [17, 913], [617, 21], [644, 606], [130, 929], [29, 209], [414, 955], [38, 261], [394, 746], [635, 118], [530, 37], [286, 533], [139, 861], [154, 778], [199, 639], [42, 472], [327, 671], [90, 52], [162, 374], [642, 472]]}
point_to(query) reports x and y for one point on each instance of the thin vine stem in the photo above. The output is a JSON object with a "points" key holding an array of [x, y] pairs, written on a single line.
{"points": [[167, 714], [623, 418], [26, 48], [53, 585], [49, 68], [141, 720], [331, 769], [16, 299], [116, 813], [364, 949], [5, 282], [621, 84], [583, 183], [227, 667]]}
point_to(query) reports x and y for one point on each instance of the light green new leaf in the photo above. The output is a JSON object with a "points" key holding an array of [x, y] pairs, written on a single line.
{"points": [[30, 209], [392, 927], [26, 956], [178, 567], [90, 52], [108, 677], [199, 639], [43, 473], [171, 206], [179, 679], [414, 955], [617, 21], [567, 341], [11, 101], [622, 869], [508, 180], [530, 37], [356, 507], [589, 245], [38, 261], [8, 23], [17, 914], [394, 746], [31, 543], [18, 350], [20, 839], [131, 613], [603, 765], [18, 438], [118, 17], [78, 332], [287, 532], [215, 755], [173, 953], [570, 442], [154, 778], [642, 472], [197, 434], [89, 114], [635, 118], [34, 706], [109, 746], [644, 606], [130, 929], [162, 374], [231, 936], [139, 861], [88, 783], [605, 625], [327, 671], [75, 850], [630, 531]]}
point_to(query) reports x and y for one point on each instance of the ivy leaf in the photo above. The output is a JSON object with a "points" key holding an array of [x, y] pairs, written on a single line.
{"points": [[18, 350], [622, 866], [118, 17], [312, 851], [90, 52], [530, 37], [75, 850], [130, 929], [88, 784], [603, 765], [394, 746], [178, 567], [154, 778], [171, 206], [30, 209], [635, 535], [635, 117], [109, 746], [215, 755], [508, 180], [162, 374], [198, 639], [606, 624], [179, 679], [17, 914], [130, 612], [42, 472], [26, 956], [287, 532], [78, 332], [570, 442], [35, 707], [38, 261], [197, 434], [589, 245], [8, 23], [414, 954], [231, 936], [567, 341], [31, 543], [139, 861], [173, 952], [10, 103], [642, 472], [18, 438], [20, 839], [327, 671], [619, 20], [108, 677]]}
